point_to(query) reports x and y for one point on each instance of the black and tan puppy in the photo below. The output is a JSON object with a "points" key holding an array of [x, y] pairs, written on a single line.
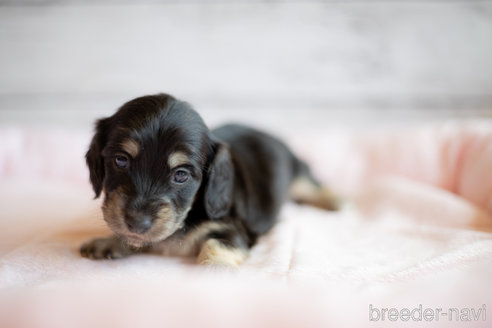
{"points": [[173, 186]]}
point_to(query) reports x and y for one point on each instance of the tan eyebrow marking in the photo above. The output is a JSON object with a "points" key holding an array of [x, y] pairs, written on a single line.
{"points": [[131, 147], [177, 158]]}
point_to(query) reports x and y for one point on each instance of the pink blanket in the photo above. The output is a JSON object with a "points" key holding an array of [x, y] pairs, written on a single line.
{"points": [[416, 236]]}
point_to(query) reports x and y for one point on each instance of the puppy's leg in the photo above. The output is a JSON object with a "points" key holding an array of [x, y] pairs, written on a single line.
{"points": [[305, 190], [214, 252], [106, 248], [223, 245]]}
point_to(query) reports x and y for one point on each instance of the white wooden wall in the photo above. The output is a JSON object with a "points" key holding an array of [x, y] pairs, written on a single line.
{"points": [[68, 61]]}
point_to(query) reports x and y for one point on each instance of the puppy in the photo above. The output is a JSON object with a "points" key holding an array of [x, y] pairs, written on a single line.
{"points": [[174, 187]]}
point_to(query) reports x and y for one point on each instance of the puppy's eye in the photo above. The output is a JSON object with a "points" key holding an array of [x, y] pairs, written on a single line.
{"points": [[121, 161], [180, 176]]}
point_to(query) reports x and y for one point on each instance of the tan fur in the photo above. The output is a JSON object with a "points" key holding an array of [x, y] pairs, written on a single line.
{"points": [[165, 213], [113, 208], [166, 224], [176, 159], [215, 253], [188, 244], [212, 252], [305, 191], [131, 147]]}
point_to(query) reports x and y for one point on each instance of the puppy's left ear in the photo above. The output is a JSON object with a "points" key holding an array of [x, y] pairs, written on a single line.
{"points": [[220, 183]]}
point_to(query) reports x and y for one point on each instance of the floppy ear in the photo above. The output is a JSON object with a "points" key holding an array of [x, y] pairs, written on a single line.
{"points": [[94, 158], [220, 183]]}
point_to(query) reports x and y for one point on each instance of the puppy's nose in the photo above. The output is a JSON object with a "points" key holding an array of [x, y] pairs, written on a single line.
{"points": [[138, 224]]}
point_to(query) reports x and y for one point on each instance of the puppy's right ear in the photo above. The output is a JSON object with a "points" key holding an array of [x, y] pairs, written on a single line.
{"points": [[94, 158]]}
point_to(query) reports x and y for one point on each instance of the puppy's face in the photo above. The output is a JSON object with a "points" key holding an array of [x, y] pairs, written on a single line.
{"points": [[149, 158], [150, 184]]}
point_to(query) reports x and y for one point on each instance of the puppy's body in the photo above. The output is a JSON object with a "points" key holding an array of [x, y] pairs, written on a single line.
{"points": [[174, 187], [264, 171]]}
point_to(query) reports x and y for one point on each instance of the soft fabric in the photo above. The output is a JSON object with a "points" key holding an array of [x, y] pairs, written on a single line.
{"points": [[416, 231]]}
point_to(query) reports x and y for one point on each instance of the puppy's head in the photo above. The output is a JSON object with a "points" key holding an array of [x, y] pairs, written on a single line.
{"points": [[153, 159]]}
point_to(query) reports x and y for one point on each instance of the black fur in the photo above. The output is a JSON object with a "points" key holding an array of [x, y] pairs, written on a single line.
{"points": [[238, 175]]}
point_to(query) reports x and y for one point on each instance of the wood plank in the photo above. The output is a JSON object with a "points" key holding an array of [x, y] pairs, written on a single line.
{"points": [[325, 55]]}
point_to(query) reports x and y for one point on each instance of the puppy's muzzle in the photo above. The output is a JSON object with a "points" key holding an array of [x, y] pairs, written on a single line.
{"points": [[141, 213]]}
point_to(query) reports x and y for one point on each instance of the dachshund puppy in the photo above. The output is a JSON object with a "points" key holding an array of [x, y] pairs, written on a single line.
{"points": [[174, 187]]}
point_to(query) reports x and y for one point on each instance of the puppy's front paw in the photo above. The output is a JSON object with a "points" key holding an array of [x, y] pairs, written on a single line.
{"points": [[105, 248]]}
